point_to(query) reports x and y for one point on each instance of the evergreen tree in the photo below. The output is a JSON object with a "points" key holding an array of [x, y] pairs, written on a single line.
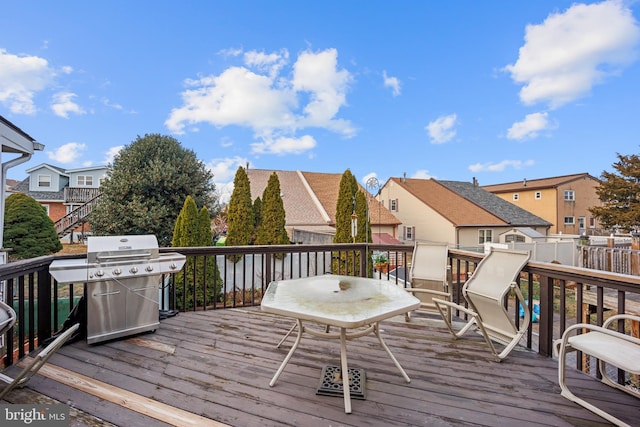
{"points": [[619, 193], [272, 231], [200, 283], [346, 262], [257, 213], [240, 213], [28, 231], [147, 186], [345, 207]]}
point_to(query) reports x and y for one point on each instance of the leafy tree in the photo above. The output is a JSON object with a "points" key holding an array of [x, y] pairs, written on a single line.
{"points": [[620, 194], [146, 187], [272, 230], [28, 230], [240, 213], [200, 279]]}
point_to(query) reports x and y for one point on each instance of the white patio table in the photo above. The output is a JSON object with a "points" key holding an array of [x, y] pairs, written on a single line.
{"points": [[344, 302]]}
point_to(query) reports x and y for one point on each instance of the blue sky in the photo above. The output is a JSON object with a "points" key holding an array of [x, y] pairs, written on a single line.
{"points": [[497, 90]]}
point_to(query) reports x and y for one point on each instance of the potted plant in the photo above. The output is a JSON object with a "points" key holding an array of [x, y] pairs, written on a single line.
{"points": [[380, 261]]}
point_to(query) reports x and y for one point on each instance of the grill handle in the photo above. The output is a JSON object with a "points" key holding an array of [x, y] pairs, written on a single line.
{"points": [[124, 256]]}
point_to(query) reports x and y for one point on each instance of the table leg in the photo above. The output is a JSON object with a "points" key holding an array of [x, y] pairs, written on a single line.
{"points": [[346, 390], [395, 361], [286, 359], [287, 335]]}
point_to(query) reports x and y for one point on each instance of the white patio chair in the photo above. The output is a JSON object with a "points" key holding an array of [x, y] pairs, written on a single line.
{"points": [[36, 363], [487, 292], [610, 347], [429, 275]]}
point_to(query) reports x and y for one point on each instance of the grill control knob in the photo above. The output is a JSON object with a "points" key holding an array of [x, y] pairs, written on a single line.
{"points": [[99, 273], [117, 271], [149, 268], [133, 270]]}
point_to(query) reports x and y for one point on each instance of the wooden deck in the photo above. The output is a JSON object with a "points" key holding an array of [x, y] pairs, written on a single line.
{"points": [[214, 367]]}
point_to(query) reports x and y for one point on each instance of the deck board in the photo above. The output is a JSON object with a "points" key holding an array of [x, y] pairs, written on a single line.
{"points": [[218, 364]]}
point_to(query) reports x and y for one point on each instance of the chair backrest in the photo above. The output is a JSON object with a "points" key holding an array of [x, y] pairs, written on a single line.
{"points": [[429, 261], [488, 287]]}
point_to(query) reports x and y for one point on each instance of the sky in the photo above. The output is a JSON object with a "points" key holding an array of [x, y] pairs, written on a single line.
{"points": [[496, 90]]}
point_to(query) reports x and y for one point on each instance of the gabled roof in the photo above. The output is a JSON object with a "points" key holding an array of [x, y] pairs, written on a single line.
{"points": [[537, 184], [299, 206], [55, 169], [326, 187], [463, 203], [310, 198]]}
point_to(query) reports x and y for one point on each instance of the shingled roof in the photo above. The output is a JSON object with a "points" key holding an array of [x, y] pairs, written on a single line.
{"points": [[463, 203], [536, 184], [310, 198]]}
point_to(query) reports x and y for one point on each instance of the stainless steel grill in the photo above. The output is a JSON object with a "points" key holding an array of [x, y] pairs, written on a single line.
{"points": [[122, 276]]}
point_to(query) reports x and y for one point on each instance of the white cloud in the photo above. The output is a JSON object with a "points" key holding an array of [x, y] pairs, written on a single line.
{"points": [[499, 167], [442, 130], [111, 154], [570, 52], [275, 104], [224, 171], [63, 104], [67, 153], [422, 174], [21, 78], [284, 145], [529, 127], [391, 82]]}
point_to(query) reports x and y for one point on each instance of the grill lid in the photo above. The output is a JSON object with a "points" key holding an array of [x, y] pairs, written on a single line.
{"points": [[121, 248]]}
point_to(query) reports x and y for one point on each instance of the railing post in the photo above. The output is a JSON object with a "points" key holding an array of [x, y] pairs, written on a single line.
{"points": [[545, 346], [44, 305]]}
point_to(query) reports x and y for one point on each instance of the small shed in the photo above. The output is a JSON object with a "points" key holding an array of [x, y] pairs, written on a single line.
{"points": [[521, 235]]}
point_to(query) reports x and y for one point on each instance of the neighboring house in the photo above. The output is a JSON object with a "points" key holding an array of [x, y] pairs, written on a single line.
{"points": [[310, 200], [64, 193], [564, 201], [459, 213]]}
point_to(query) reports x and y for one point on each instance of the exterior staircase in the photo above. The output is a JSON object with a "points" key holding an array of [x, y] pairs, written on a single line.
{"points": [[76, 217]]}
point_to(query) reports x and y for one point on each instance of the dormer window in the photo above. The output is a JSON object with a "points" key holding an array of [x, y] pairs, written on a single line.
{"points": [[44, 181]]}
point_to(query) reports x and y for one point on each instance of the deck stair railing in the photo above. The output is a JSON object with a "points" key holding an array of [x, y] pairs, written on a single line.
{"points": [[76, 217]]}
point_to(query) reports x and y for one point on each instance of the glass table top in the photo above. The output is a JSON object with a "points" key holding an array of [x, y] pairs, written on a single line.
{"points": [[342, 301]]}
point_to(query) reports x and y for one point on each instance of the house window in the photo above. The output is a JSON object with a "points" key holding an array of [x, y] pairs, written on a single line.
{"points": [[516, 196], [393, 205], [538, 195], [85, 180], [592, 222], [409, 233], [44, 181], [46, 208], [569, 195], [485, 236], [581, 222], [569, 220]]}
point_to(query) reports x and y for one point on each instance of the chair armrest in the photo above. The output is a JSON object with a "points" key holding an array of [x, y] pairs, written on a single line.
{"points": [[427, 291], [456, 306]]}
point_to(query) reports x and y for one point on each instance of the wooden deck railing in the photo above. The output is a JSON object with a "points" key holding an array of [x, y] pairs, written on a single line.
{"points": [[566, 294]]}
